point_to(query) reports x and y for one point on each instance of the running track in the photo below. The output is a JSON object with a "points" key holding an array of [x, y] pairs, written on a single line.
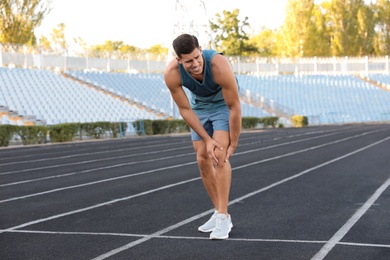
{"points": [[297, 193]]}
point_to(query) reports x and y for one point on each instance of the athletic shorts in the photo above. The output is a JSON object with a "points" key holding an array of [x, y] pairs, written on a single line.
{"points": [[212, 122]]}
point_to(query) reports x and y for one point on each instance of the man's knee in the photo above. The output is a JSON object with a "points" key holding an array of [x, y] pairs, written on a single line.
{"points": [[202, 159], [221, 163]]}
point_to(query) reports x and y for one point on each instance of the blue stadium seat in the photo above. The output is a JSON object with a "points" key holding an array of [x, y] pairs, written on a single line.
{"points": [[115, 96]]}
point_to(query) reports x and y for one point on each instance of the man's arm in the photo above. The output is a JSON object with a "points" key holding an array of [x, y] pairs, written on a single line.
{"points": [[172, 80], [224, 76]]}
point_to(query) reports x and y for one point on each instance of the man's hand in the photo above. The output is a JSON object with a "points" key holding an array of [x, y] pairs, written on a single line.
{"points": [[211, 144], [230, 150]]}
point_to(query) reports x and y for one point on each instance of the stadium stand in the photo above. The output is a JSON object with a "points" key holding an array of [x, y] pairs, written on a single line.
{"points": [[33, 96], [380, 80], [325, 99], [52, 98], [147, 89]]}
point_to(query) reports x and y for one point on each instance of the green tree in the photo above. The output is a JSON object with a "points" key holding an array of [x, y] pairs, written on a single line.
{"points": [[113, 48], [383, 36], [302, 30], [82, 45], [58, 39], [344, 26], [127, 51], [320, 33], [366, 30], [265, 42], [102, 50], [130, 49], [158, 50], [19, 18], [44, 44], [331, 28], [231, 38], [108, 45]]}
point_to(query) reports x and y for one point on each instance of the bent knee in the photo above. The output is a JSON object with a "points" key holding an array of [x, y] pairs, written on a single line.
{"points": [[221, 163], [202, 158]]}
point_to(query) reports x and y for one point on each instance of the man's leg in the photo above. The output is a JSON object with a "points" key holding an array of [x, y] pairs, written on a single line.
{"points": [[223, 172], [207, 171], [216, 179], [223, 176]]}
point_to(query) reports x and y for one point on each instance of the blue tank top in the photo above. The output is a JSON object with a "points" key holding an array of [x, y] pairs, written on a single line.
{"points": [[206, 96]]}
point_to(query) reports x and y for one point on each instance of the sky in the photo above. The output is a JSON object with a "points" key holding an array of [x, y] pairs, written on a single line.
{"points": [[145, 23]]}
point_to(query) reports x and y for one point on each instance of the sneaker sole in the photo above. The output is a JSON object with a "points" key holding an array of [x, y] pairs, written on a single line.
{"points": [[224, 237], [219, 238], [212, 229], [206, 230]]}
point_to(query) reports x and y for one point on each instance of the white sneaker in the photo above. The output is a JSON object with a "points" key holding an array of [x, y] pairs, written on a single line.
{"points": [[210, 224], [223, 227]]}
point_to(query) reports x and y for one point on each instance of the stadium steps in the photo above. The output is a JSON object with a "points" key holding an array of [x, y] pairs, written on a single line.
{"points": [[267, 105], [117, 95], [12, 117], [374, 82], [42, 94]]}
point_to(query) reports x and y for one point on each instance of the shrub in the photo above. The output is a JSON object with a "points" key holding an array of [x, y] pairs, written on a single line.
{"points": [[63, 132], [6, 134], [299, 121], [160, 127], [32, 134], [96, 129], [249, 122], [118, 127], [269, 121], [155, 127], [179, 126], [143, 127]]}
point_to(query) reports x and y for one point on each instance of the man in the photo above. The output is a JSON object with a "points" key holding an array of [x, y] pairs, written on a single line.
{"points": [[214, 116]]}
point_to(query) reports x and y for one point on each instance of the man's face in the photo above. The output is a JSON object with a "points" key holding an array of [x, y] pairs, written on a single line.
{"points": [[193, 62]]}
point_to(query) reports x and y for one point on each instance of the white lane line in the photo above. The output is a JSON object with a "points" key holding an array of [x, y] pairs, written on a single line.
{"points": [[176, 184], [363, 244], [96, 182], [118, 145], [165, 230], [136, 174], [77, 233], [119, 165], [87, 154], [91, 161], [97, 205], [132, 155], [301, 241], [148, 145], [281, 241], [350, 223], [95, 169]]}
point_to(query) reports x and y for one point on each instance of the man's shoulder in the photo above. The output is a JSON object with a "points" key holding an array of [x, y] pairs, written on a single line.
{"points": [[171, 67], [171, 73], [219, 59], [210, 53]]}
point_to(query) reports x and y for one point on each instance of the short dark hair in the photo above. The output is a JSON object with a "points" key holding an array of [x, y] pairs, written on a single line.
{"points": [[185, 44]]}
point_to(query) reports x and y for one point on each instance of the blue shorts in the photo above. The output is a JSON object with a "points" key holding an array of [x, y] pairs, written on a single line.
{"points": [[212, 122]]}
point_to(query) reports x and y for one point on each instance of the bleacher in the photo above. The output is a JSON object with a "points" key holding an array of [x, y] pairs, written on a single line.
{"points": [[381, 79], [325, 99], [147, 89], [32, 96], [52, 99]]}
